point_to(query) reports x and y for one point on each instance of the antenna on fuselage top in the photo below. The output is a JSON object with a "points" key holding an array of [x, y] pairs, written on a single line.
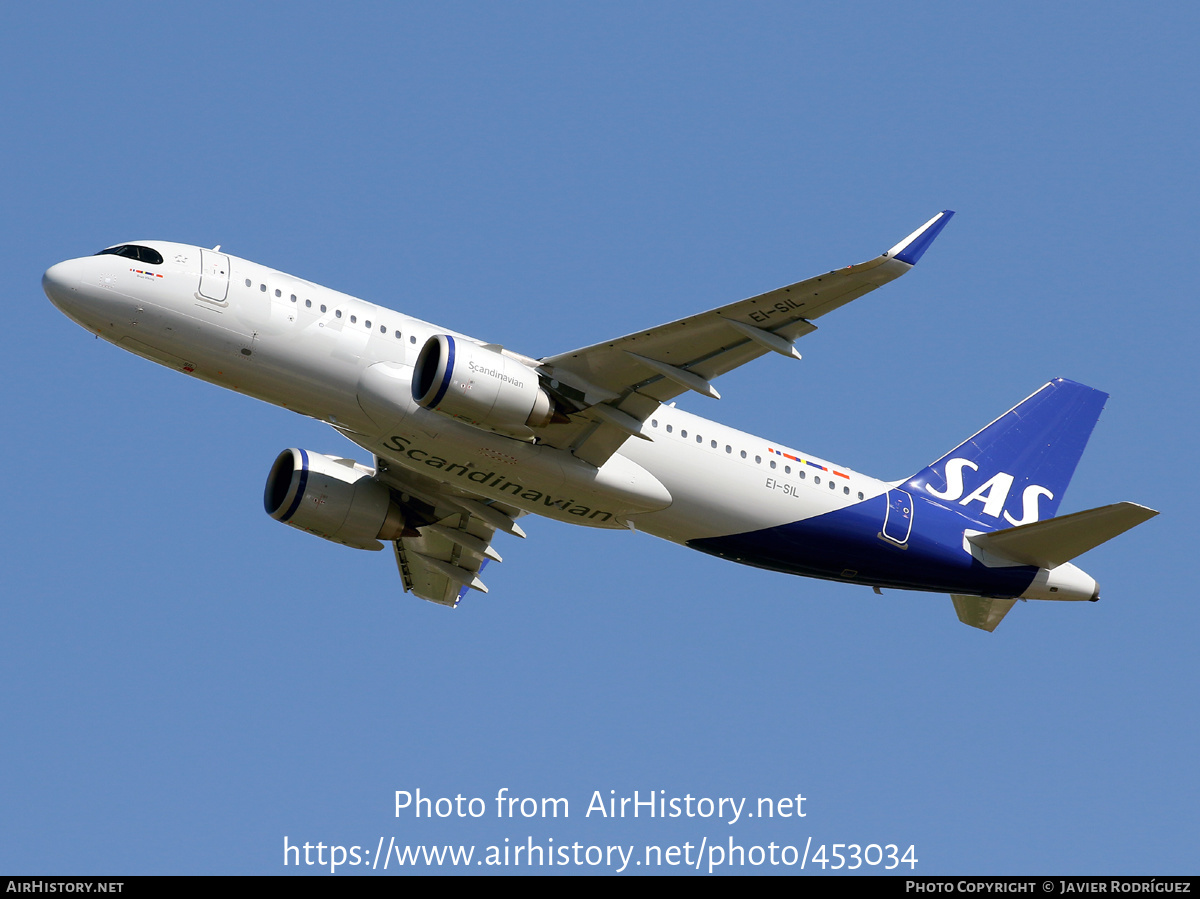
{"points": [[217, 247]]}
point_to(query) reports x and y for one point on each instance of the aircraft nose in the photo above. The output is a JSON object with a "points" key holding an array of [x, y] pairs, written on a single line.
{"points": [[61, 284]]}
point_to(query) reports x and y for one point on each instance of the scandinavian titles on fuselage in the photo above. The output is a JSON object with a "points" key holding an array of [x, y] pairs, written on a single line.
{"points": [[490, 480]]}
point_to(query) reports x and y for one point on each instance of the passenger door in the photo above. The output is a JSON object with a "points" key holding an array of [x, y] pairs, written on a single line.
{"points": [[214, 275]]}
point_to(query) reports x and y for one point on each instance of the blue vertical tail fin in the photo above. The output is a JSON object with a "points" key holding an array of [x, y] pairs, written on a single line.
{"points": [[1016, 470]]}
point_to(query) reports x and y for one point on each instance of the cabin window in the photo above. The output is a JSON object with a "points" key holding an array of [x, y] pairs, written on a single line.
{"points": [[353, 319], [713, 444], [654, 422], [293, 298], [772, 463], [308, 303], [743, 454], [278, 292], [670, 429], [368, 325], [322, 307], [860, 496], [816, 479], [262, 288], [247, 282]]}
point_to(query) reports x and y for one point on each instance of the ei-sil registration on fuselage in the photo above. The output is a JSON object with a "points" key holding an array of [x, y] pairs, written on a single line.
{"points": [[467, 437]]}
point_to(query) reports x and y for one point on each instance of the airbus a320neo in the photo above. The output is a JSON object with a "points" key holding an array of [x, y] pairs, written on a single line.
{"points": [[467, 436]]}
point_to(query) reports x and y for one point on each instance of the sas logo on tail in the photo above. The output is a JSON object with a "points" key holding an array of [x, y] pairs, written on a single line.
{"points": [[992, 494]]}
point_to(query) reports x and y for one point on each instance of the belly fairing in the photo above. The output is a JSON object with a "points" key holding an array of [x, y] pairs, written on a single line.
{"points": [[539, 479]]}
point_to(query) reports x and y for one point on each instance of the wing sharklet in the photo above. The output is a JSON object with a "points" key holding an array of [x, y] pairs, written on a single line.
{"points": [[913, 247]]}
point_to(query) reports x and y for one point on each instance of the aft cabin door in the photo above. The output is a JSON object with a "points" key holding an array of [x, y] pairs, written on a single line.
{"points": [[897, 521], [214, 275]]}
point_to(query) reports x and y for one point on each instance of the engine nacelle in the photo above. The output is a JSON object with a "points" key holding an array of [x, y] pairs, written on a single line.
{"points": [[337, 499], [480, 387]]}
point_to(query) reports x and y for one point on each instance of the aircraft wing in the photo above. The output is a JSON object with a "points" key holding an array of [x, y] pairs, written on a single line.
{"points": [[444, 560], [448, 535], [617, 384]]}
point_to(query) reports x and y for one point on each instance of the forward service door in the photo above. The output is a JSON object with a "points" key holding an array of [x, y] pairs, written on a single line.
{"points": [[214, 275]]}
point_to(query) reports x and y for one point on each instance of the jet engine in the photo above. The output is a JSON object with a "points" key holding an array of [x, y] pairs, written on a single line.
{"points": [[480, 386], [337, 499]]}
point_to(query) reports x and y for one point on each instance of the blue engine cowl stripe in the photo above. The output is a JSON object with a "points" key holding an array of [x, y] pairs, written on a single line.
{"points": [[449, 373], [300, 489]]}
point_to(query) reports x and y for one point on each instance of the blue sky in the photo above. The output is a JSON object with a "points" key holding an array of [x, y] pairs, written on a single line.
{"points": [[185, 682]]}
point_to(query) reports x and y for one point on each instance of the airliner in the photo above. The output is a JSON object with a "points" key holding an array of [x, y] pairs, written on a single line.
{"points": [[467, 437]]}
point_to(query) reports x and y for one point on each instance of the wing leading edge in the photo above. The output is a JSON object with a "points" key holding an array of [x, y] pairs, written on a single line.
{"points": [[618, 383]]}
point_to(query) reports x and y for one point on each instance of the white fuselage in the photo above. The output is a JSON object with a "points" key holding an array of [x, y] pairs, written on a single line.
{"points": [[349, 363]]}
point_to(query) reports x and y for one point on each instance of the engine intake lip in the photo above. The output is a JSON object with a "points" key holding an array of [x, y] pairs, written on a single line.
{"points": [[434, 370], [283, 490]]}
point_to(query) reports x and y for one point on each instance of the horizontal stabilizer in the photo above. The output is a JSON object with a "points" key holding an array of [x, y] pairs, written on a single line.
{"points": [[981, 611], [1050, 543]]}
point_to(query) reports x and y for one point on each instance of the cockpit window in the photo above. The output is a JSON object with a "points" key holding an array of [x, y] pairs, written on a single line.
{"points": [[133, 251]]}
